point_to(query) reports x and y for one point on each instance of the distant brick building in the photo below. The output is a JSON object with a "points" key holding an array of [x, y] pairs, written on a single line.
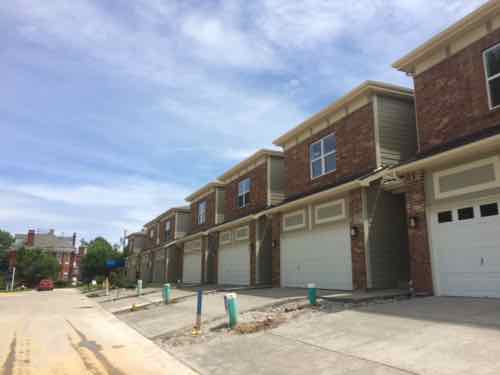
{"points": [[63, 248]]}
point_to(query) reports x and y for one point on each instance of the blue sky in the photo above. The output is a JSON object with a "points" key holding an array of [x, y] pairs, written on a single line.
{"points": [[113, 111]]}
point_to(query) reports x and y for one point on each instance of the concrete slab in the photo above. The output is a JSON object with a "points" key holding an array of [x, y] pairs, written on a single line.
{"points": [[163, 319], [363, 296], [117, 294]]}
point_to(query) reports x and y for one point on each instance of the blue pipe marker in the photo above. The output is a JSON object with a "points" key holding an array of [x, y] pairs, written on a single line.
{"points": [[312, 293], [167, 293], [199, 308]]}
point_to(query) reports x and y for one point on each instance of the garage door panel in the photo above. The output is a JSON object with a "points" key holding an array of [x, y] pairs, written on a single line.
{"points": [[191, 269], [466, 254], [234, 264], [321, 256]]}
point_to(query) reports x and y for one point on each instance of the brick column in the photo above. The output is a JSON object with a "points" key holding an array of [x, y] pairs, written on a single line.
{"points": [[180, 250], [213, 248], [275, 255], [204, 243], [418, 241], [358, 254], [253, 255]]}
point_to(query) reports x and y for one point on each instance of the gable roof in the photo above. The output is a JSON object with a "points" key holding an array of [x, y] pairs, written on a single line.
{"points": [[248, 162], [482, 15], [205, 189], [365, 89]]}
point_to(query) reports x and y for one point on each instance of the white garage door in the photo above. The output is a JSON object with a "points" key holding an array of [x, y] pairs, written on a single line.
{"points": [[191, 269], [465, 242], [321, 256], [234, 264]]}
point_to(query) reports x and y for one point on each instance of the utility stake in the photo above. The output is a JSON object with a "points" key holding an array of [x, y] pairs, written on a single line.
{"points": [[232, 307], [198, 309], [167, 293], [312, 293], [139, 287]]}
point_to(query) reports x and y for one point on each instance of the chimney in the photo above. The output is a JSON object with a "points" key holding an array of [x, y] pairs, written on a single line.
{"points": [[30, 241], [74, 239]]}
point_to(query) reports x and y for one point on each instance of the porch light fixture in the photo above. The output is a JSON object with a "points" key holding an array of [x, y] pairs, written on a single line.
{"points": [[354, 231], [413, 222]]}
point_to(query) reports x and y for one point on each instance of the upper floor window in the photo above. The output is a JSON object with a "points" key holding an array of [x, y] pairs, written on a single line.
{"points": [[151, 234], [244, 193], [323, 156], [492, 66], [202, 212], [168, 228]]}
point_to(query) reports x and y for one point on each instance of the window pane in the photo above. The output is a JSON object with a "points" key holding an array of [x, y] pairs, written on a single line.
{"points": [[316, 168], [315, 150], [247, 198], [330, 163], [493, 61], [329, 144], [495, 92], [445, 217], [466, 213], [489, 209], [241, 202]]}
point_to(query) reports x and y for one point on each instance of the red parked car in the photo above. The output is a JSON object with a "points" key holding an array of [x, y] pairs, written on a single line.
{"points": [[45, 284]]}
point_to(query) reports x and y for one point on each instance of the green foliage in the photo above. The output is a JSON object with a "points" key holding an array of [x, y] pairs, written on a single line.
{"points": [[62, 284], [94, 262], [33, 265], [6, 241]]}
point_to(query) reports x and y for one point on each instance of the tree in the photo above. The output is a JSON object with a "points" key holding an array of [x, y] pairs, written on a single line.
{"points": [[6, 241], [94, 262], [33, 265]]}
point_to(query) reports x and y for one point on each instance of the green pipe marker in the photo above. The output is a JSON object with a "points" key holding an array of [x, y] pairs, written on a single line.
{"points": [[232, 308], [167, 293], [312, 293]]}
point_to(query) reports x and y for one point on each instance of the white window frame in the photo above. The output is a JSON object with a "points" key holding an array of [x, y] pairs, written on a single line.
{"points": [[243, 193], [168, 227], [298, 226], [322, 157], [472, 188], [489, 79], [340, 202], [202, 214]]}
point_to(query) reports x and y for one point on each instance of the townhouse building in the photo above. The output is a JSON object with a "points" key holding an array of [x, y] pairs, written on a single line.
{"points": [[135, 245], [337, 228], [454, 179]]}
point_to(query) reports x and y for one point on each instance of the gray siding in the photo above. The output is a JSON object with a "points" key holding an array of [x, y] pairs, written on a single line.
{"points": [[183, 224], [397, 129], [278, 180], [387, 239], [221, 202]]}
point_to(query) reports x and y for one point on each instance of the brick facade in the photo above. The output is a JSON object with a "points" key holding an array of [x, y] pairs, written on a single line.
{"points": [[163, 235], [452, 97], [355, 153], [210, 218], [418, 241], [253, 254], [358, 251], [213, 250], [276, 250], [258, 194]]}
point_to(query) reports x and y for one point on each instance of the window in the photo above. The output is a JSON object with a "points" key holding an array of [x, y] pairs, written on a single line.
{"points": [[202, 212], [489, 209], [492, 67], [151, 234], [445, 217], [244, 193], [323, 156], [294, 220], [168, 227], [241, 233], [328, 212], [466, 213]]}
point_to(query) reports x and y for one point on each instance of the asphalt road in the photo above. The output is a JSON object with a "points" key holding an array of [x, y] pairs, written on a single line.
{"points": [[63, 332]]}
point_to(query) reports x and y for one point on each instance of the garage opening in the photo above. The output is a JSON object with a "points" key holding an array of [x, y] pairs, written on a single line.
{"points": [[388, 256]]}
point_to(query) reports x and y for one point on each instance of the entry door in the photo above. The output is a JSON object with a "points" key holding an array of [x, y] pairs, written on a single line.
{"points": [[321, 256], [465, 242]]}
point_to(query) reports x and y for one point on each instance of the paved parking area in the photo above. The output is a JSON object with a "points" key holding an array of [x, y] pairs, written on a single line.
{"points": [[429, 336], [163, 319]]}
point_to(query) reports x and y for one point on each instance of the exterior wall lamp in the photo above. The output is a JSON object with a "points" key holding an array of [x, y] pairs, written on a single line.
{"points": [[354, 231], [413, 222]]}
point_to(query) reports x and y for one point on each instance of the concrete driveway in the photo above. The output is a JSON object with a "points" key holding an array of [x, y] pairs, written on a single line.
{"points": [[165, 319], [434, 336]]}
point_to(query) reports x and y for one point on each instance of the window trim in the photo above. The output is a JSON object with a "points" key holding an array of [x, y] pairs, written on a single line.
{"points": [[230, 240], [244, 193], [242, 238], [203, 219], [322, 157], [294, 227], [488, 79], [462, 168], [332, 218]]}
